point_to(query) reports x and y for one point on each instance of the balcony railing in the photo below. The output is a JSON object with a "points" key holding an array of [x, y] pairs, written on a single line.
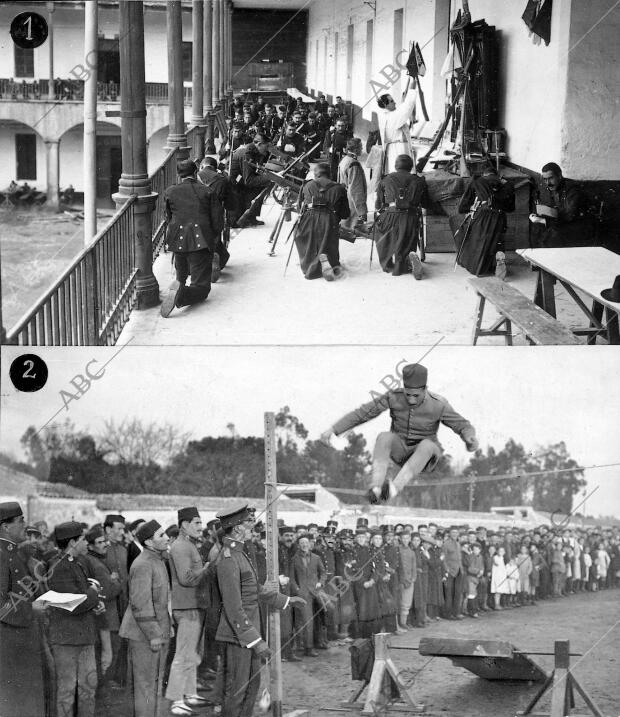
{"points": [[73, 91], [90, 303]]}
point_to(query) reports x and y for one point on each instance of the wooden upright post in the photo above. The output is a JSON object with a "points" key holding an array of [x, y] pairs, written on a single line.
{"points": [[271, 526]]}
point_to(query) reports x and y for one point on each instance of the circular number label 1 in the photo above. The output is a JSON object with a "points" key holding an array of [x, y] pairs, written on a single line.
{"points": [[28, 373], [29, 30]]}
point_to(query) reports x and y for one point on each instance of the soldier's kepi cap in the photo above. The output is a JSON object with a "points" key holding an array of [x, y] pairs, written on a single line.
{"points": [[66, 531], [188, 514], [10, 509], [147, 530], [234, 516], [414, 376]]}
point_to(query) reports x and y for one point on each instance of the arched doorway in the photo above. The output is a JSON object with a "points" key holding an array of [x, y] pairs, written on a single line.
{"points": [[109, 160], [23, 155]]}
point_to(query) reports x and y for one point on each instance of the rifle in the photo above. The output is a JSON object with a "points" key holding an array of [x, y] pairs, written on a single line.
{"points": [[422, 162], [301, 211]]}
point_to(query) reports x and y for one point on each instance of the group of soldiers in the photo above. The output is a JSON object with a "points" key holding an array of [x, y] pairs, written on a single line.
{"points": [[181, 613]]}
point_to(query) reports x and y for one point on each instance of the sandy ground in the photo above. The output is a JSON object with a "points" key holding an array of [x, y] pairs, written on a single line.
{"points": [[255, 304], [591, 623]]}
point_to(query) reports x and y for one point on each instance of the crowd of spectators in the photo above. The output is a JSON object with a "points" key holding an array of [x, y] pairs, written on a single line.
{"points": [[354, 583]]}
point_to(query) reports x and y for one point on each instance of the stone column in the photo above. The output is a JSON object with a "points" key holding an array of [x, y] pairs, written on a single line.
{"points": [[90, 122], [53, 172], [197, 118], [229, 88], [217, 7], [176, 107], [223, 44], [207, 71], [51, 94], [134, 178]]}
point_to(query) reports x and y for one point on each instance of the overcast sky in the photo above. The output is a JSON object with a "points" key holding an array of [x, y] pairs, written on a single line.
{"points": [[537, 396]]}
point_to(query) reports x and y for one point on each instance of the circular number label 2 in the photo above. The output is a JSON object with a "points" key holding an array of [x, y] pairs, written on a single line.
{"points": [[29, 30], [28, 373]]}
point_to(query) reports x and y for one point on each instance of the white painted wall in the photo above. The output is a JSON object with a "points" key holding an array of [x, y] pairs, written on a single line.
{"points": [[590, 139], [533, 80]]}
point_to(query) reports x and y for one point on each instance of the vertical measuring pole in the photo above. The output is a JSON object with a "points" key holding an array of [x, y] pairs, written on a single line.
{"points": [[271, 526]]}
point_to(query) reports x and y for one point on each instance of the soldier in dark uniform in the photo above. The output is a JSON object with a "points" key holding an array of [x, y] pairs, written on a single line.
{"points": [[399, 196], [321, 105], [572, 226], [146, 623], [412, 442], [286, 551], [246, 178], [237, 139], [191, 236], [480, 238], [291, 142], [313, 133], [323, 204], [223, 191], [72, 635], [243, 647], [345, 563], [21, 674], [364, 588], [420, 587], [335, 145]]}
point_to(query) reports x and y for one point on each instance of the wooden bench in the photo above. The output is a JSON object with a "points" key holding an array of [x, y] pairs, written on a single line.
{"points": [[515, 308]]}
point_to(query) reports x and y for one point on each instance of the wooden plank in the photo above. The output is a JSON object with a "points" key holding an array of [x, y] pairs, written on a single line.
{"points": [[489, 659], [271, 528], [515, 306], [451, 647]]}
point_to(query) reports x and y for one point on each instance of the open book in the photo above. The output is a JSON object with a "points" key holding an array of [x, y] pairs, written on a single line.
{"points": [[65, 601]]}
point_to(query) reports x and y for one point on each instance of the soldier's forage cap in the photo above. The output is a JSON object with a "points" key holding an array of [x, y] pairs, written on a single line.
{"points": [[10, 510], [362, 522], [31, 530], [66, 531], [300, 527], [147, 530], [213, 523], [95, 532], [234, 516], [135, 523], [312, 525], [285, 529], [187, 514], [414, 376], [172, 531], [113, 518], [360, 530], [332, 522]]}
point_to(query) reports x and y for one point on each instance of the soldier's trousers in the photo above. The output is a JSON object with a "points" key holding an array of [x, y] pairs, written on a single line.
{"points": [[147, 672], [413, 459], [76, 679], [241, 672]]}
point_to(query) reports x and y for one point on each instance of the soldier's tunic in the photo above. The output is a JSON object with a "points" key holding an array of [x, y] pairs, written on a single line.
{"points": [[480, 236], [352, 177], [410, 424], [145, 619], [399, 197], [324, 205], [21, 675], [239, 627], [191, 236], [221, 187], [248, 182]]}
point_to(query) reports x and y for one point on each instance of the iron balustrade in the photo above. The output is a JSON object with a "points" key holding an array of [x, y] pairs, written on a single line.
{"points": [[91, 301], [73, 90]]}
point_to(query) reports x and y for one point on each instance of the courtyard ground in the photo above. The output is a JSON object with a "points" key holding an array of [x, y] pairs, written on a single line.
{"points": [[254, 303]]}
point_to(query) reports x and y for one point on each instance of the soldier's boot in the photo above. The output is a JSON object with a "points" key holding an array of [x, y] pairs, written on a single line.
{"points": [[326, 268]]}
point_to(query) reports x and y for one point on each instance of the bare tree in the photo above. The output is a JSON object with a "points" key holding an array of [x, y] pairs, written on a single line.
{"points": [[132, 441]]}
